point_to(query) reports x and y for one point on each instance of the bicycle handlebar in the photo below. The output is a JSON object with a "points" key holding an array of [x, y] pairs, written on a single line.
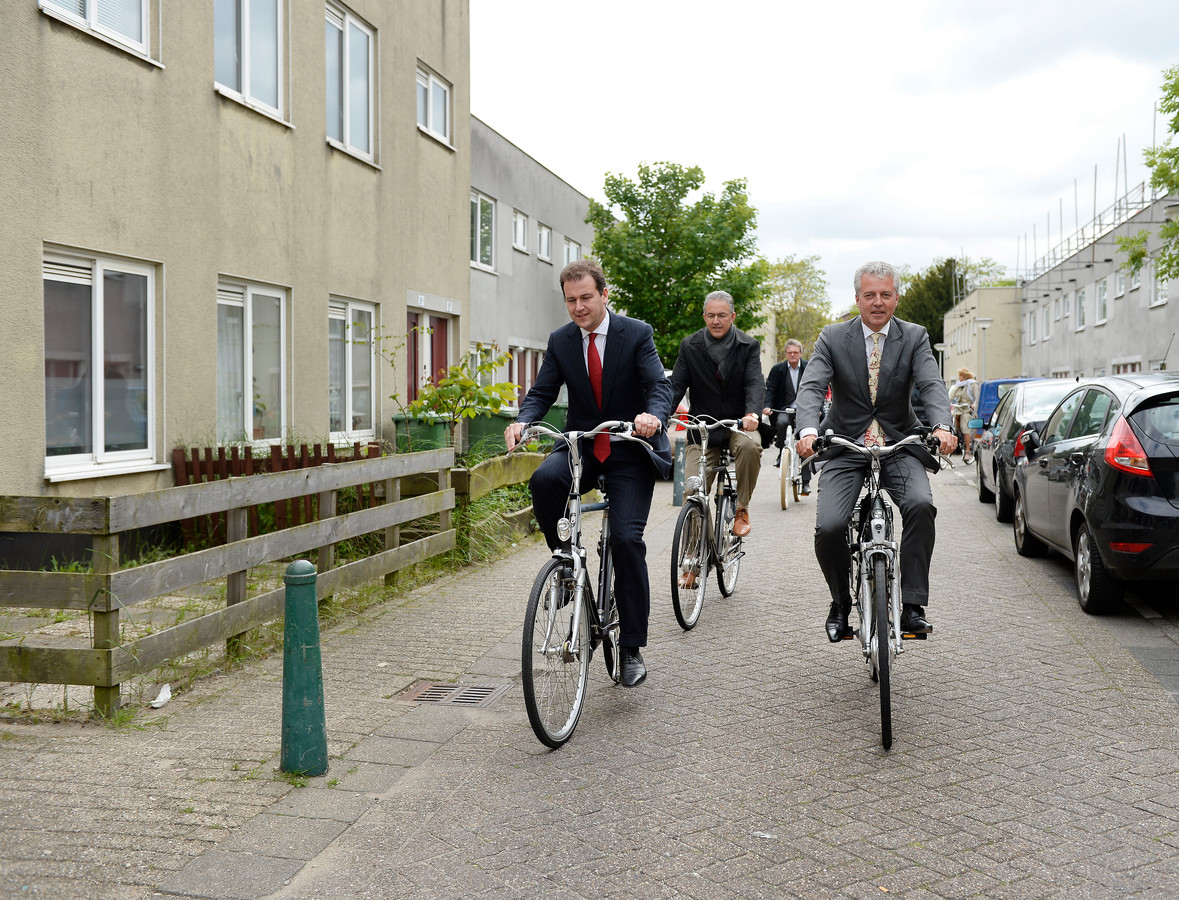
{"points": [[614, 427], [824, 442]]}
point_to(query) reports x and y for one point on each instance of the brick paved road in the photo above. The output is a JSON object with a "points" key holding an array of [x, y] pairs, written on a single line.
{"points": [[1034, 753]]}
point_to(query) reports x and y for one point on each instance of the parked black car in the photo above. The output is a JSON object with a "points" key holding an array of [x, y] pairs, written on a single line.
{"points": [[1026, 404], [1100, 484]]}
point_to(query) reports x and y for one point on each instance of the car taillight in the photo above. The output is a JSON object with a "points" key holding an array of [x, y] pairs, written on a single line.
{"points": [[1122, 546], [1018, 450], [1124, 451]]}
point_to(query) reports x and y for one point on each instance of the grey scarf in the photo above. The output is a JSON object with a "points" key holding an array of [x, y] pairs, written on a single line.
{"points": [[721, 351]]}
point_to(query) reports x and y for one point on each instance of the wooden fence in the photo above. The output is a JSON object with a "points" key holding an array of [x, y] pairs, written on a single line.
{"points": [[107, 589]]}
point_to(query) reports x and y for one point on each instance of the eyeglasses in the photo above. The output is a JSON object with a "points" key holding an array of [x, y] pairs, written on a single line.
{"points": [[716, 317]]}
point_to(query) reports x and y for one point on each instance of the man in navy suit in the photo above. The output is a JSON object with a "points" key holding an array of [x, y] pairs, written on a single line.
{"points": [[781, 392], [633, 388], [842, 358]]}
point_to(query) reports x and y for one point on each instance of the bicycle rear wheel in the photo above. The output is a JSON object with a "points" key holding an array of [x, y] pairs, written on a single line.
{"points": [[729, 547], [689, 556], [554, 662], [882, 647]]}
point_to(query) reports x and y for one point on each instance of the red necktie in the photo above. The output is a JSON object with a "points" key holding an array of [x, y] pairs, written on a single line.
{"points": [[594, 363]]}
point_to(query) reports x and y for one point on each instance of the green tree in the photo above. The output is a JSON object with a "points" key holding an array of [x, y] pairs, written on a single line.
{"points": [[796, 291], [927, 296], [664, 254], [1163, 162]]}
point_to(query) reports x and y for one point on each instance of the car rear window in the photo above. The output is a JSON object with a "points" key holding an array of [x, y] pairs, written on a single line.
{"points": [[1160, 422]]}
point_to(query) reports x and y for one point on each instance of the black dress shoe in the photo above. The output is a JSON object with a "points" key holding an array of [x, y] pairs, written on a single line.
{"points": [[634, 670], [913, 620], [778, 461], [838, 628]]}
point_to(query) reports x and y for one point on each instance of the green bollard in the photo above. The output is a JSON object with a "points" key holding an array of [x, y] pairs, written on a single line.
{"points": [[304, 734]]}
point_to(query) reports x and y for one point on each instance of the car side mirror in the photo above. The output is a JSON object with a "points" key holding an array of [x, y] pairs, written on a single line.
{"points": [[976, 423], [1031, 440]]}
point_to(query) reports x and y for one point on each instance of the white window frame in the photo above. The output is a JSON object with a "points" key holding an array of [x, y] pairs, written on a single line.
{"points": [[90, 270], [572, 251], [342, 19], [242, 93], [1067, 306], [1032, 327], [430, 82], [1056, 308], [344, 310], [1136, 279], [88, 20], [544, 242], [1079, 321], [519, 231], [478, 199], [1119, 284], [1047, 325], [242, 294], [1159, 290], [520, 364], [1101, 303]]}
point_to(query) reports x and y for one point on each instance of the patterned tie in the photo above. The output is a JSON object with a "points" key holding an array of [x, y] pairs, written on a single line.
{"points": [[874, 436], [594, 363]]}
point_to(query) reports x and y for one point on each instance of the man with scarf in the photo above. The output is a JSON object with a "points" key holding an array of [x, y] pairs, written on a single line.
{"points": [[720, 368]]}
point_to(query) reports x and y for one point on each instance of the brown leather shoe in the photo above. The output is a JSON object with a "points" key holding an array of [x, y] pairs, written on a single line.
{"points": [[688, 581], [741, 526]]}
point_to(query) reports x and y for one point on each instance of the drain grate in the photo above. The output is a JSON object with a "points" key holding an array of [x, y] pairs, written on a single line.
{"points": [[474, 695]]}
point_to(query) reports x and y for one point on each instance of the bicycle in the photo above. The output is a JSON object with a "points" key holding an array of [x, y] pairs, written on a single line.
{"points": [[696, 545], [790, 467], [875, 564], [563, 624]]}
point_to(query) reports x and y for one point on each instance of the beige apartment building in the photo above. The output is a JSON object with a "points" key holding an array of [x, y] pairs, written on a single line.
{"points": [[981, 333], [219, 221]]}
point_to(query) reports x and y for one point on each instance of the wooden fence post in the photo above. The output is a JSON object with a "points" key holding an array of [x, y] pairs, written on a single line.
{"points": [[104, 559], [392, 533], [236, 521]]}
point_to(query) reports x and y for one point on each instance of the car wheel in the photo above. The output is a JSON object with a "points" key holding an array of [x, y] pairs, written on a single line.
{"points": [[984, 494], [1003, 501], [1026, 543], [1097, 590]]}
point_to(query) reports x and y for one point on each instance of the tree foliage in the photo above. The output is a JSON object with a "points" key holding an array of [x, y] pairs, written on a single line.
{"points": [[796, 291], [1163, 162], [927, 296], [663, 254]]}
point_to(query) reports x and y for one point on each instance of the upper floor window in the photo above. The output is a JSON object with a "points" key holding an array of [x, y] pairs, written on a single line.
{"points": [[351, 369], [1047, 322], [572, 251], [1135, 279], [519, 230], [1056, 308], [433, 104], [482, 230], [124, 21], [251, 362], [99, 364], [350, 108], [1066, 305], [1100, 307], [544, 242], [1079, 323], [1032, 327], [1119, 284], [247, 51], [1159, 297]]}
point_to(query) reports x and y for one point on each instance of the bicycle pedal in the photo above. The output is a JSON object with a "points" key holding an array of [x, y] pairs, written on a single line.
{"points": [[913, 637]]}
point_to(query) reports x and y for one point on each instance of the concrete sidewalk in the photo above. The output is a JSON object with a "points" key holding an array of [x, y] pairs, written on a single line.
{"points": [[1034, 756]]}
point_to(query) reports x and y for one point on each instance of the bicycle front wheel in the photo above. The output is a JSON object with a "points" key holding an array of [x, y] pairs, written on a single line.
{"points": [[882, 646], [554, 661], [787, 472], [689, 565], [795, 478], [729, 547]]}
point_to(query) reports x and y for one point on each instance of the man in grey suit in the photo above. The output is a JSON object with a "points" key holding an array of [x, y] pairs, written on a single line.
{"points": [[841, 358]]}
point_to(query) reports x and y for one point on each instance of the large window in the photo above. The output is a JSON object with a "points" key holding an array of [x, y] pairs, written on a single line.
{"points": [[351, 369], [1100, 306], [247, 51], [99, 363], [350, 67], [482, 230], [124, 21], [251, 362], [433, 104]]}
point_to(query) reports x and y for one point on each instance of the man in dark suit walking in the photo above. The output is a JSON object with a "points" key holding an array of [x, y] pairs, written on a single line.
{"points": [[781, 393], [872, 362], [612, 370], [719, 367]]}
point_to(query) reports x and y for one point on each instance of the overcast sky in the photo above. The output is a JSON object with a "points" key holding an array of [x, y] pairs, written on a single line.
{"points": [[902, 131]]}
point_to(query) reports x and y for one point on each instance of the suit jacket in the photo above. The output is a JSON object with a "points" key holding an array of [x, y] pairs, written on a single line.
{"points": [[780, 391], [632, 382], [726, 393], [839, 359]]}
